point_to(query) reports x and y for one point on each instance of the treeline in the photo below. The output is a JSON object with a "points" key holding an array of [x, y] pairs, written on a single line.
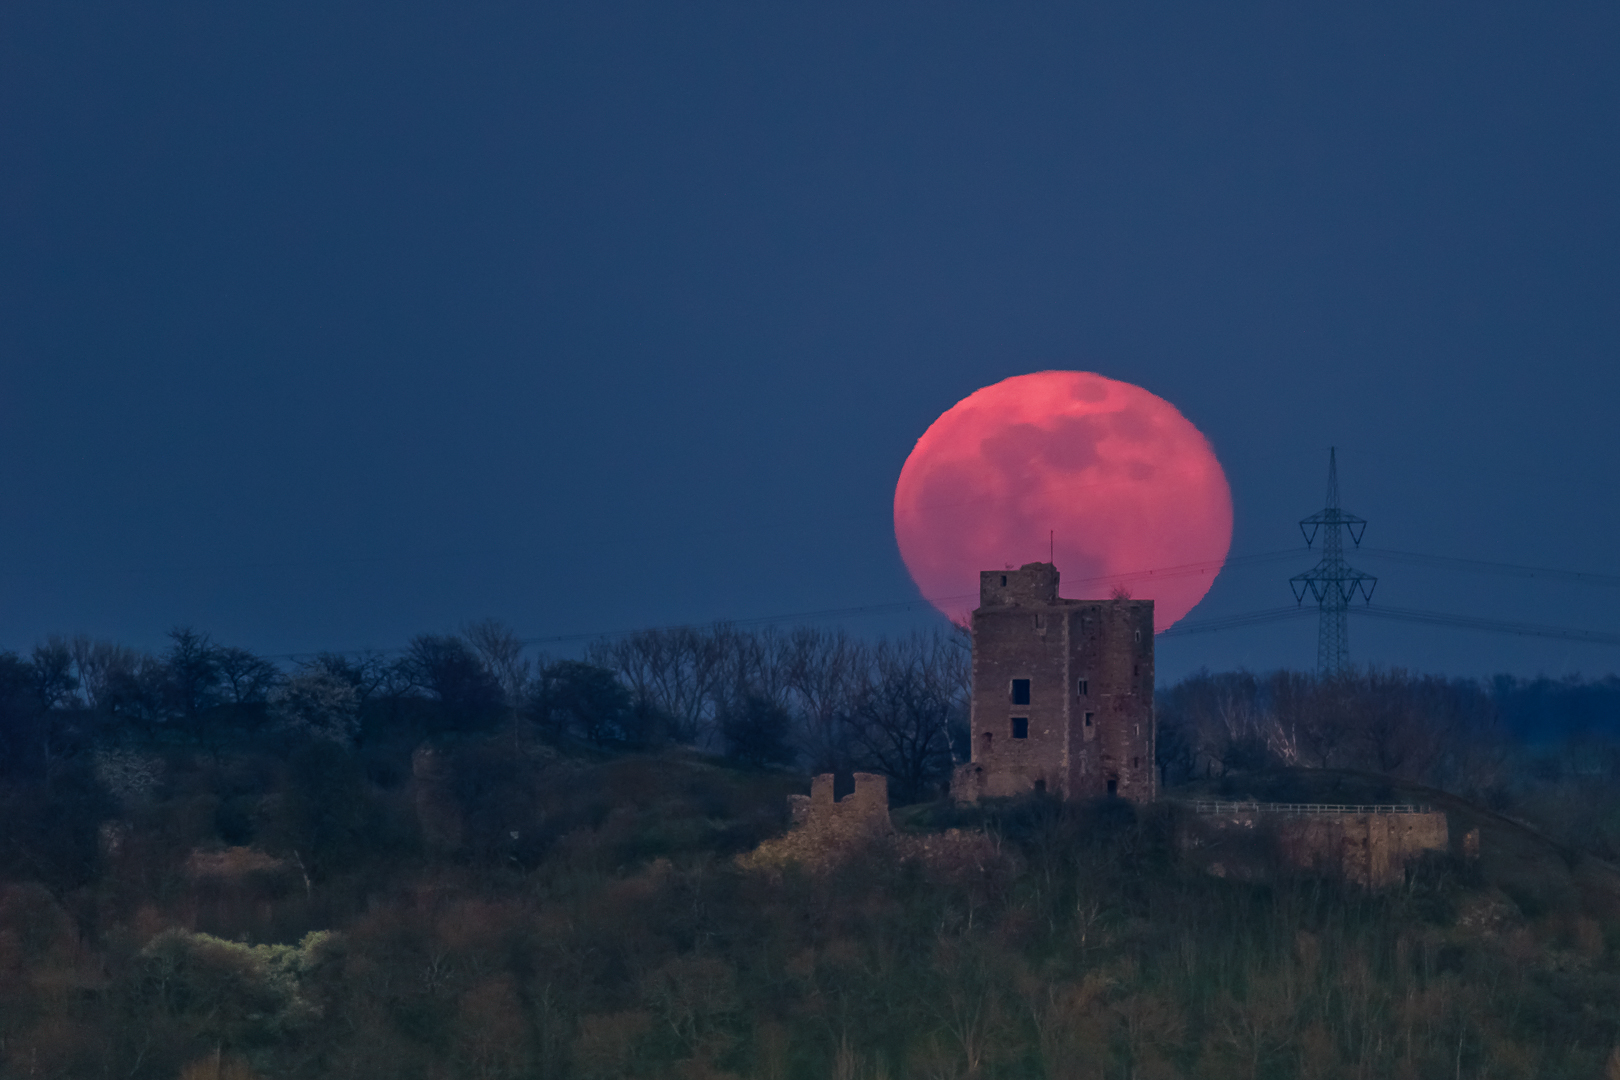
{"points": [[809, 698], [812, 698], [1541, 749], [465, 861]]}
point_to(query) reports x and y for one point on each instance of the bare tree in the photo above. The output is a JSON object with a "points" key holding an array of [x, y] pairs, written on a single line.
{"points": [[825, 671], [899, 722], [194, 675], [676, 673], [501, 650], [100, 666], [53, 677], [1318, 715], [246, 678], [444, 668], [756, 665]]}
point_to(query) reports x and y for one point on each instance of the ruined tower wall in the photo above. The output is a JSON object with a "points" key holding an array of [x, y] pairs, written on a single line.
{"points": [[1020, 644], [1062, 692], [1112, 662]]}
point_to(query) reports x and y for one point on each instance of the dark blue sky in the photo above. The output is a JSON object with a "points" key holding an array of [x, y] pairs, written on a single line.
{"points": [[326, 324]]}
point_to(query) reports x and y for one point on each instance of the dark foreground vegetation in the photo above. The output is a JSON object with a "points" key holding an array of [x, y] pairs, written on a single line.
{"points": [[458, 864]]}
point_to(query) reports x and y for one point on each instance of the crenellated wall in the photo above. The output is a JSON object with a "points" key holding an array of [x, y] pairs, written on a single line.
{"points": [[864, 812]]}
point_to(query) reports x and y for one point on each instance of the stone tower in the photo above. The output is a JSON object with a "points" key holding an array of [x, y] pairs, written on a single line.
{"points": [[1062, 692]]}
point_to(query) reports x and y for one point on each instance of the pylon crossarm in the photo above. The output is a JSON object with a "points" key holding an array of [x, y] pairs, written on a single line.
{"points": [[1331, 582]]}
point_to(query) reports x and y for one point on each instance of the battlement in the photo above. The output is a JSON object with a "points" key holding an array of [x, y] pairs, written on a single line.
{"points": [[1032, 583], [866, 811]]}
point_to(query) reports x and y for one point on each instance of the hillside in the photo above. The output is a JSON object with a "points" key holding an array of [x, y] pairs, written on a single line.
{"points": [[1539, 873], [589, 920]]}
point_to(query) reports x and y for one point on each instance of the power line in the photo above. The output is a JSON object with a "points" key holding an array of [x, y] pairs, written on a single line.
{"points": [[1182, 570], [1396, 614], [1495, 626], [1235, 622], [1237, 562], [1482, 566], [1181, 629]]}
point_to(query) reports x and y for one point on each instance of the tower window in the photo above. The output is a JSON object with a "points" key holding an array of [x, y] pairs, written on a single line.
{"points": [[1136, 763], [1139, 637], [1020, 691], [1113, 786], [1003, 580], [1088, 718], [1020, 726], [1082, 687]]}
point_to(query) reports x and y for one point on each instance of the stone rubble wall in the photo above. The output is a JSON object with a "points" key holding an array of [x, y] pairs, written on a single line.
{"points": [[1371, 849], [863, 813]]}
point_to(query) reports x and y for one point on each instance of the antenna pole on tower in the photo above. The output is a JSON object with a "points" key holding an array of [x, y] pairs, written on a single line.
{"points": [[1331, 582]]}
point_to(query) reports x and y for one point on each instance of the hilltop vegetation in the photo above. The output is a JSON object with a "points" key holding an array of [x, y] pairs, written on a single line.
{"points": [[276, 878]]}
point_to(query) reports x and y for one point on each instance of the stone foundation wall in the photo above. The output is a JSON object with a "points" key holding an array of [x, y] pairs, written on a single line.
{"points": [[1368, 849]]}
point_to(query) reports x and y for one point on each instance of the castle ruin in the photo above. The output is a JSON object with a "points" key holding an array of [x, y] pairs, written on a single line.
{"points": [[1062, 692], [1369, 846], [861, 814]]}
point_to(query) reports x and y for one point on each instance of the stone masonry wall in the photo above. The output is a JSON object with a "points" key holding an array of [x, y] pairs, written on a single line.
{"points": [[1371, 849], [863, 813], [1062, 692]]}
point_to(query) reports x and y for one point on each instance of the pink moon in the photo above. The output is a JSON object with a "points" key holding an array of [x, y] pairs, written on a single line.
{"points": [[1124, 489]]}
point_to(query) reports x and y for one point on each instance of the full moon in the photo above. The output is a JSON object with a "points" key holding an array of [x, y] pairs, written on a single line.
{"points": [[1103, 478]]}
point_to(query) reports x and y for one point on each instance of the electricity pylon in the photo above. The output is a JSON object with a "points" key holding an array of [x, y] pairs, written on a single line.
{"points": [[1330, 581]]}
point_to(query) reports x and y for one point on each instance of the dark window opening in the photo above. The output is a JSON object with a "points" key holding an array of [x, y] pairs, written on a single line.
{"points": [[1083, 688], [1040, 785], [1136, 763], [1020, 727], [1113, 786], [1136, 669], [985, 739], [1088, 718], [1020, 692], [1004, 580]]}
